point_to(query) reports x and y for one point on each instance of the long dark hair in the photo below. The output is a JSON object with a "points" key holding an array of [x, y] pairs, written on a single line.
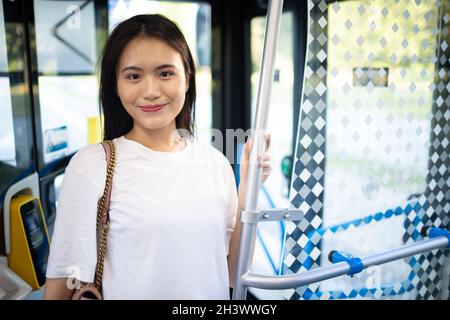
{"points": [[117, 121]]}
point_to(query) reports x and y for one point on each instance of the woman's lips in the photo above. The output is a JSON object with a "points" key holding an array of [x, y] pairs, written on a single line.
{"points": [[152, 107]]}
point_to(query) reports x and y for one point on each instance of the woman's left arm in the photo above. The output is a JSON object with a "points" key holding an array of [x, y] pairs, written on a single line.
{"points": [[266, 168]]}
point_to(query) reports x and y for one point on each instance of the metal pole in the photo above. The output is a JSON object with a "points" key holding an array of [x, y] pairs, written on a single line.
{"points": [[341, 268], [262, 106]]}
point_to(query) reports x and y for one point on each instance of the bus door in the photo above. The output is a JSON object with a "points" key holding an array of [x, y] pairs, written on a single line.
{"points": [[371, 166]]}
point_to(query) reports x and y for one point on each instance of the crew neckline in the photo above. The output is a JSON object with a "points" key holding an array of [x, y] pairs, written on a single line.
{"points": [[154, 152]]}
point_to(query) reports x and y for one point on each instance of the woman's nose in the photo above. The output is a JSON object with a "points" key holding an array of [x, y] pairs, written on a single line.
{"points": [[151, 89]]}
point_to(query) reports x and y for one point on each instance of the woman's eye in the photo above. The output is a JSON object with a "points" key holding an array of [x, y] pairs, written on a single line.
{"points": [[166, 74], [133, 76]]}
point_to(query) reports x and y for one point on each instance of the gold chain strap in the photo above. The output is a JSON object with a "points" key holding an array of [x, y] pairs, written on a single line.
{"points": [[101, 211]]}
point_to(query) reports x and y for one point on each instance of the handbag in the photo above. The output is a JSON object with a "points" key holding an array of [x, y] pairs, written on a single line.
{"points": [[88, 290]]}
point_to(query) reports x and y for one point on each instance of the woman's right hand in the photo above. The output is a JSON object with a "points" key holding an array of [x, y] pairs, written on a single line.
{"points": [[56, 289]]}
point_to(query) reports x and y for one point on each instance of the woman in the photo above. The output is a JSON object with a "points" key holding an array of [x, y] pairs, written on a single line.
{"points": [[174, 204]]}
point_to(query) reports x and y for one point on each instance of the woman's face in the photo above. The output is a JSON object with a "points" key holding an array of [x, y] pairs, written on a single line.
{"points": [[151, 82]]}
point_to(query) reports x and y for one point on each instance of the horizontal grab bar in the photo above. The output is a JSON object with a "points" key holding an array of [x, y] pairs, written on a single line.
{"points": [[341, 268]]}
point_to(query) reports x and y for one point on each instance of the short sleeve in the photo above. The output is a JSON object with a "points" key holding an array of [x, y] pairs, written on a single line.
{"points": [[73, 249], [232, 205]]}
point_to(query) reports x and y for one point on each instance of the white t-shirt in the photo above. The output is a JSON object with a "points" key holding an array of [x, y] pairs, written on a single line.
{"points": [[172, 215]]}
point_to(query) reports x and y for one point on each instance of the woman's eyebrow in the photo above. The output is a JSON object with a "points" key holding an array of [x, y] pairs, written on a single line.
{"points": [[132, 68], [163, 66]]}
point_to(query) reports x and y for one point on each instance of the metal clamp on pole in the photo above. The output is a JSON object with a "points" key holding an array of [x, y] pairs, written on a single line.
{"points": [[355, 263], [255, 216], [433, 232]]}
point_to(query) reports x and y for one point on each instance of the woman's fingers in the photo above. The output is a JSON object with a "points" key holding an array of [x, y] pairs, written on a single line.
{"points": [[263, 160], [266, 167], [268, 140], [264, 156], [247, 147], [265, 164]]}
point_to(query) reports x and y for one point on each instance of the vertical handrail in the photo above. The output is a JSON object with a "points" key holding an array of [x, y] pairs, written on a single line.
{"points": [[248, 230]]}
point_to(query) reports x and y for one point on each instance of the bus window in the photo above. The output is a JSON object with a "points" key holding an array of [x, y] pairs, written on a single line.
{"points": [[7, 143], [66, 56], [16, 136]]}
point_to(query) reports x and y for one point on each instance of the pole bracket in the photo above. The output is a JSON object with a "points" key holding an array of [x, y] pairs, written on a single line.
{"points": [[438, 232], [355, 263], [255, 216]]}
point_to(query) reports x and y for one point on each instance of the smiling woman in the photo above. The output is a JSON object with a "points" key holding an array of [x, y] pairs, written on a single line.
{"points": [[174, 202], [154, 72], [152, 89]]}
